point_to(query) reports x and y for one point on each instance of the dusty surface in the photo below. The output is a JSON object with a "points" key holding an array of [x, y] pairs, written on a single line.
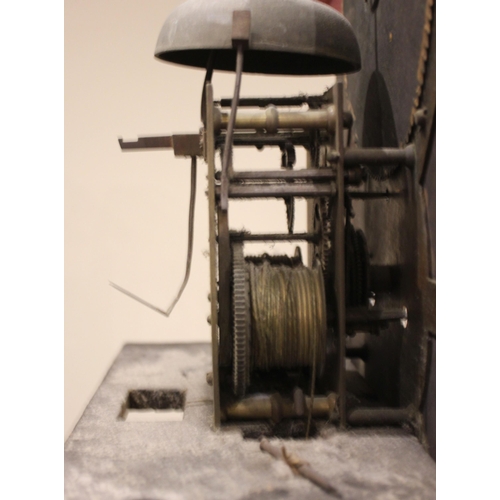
{"points": [[108, 458]]}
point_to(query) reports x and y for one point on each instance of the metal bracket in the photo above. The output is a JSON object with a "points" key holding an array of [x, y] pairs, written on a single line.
{"points": [[241, 28], [182, 144]]}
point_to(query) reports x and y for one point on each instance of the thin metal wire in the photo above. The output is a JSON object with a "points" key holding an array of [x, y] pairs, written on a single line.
{"points": [[192, 200]]}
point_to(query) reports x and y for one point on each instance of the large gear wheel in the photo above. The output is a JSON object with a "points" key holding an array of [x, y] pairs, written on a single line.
{"points": [[241, 322]]}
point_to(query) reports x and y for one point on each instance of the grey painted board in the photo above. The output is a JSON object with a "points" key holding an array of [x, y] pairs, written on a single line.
{"points": [[108, 458]]}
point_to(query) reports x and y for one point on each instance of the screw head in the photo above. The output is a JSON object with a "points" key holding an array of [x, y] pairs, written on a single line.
{"points": [[404, 321]]}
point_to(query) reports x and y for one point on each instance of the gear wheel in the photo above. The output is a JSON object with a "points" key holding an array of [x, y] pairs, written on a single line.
{"points": [[241, 322], [422, 65], [323, 224]]}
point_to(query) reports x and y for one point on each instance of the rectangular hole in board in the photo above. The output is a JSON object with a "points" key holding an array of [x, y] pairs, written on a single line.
{"points": [[158, 405]]}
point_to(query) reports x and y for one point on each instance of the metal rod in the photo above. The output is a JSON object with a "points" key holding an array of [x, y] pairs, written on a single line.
{"points": [[339, 278], [352, 176], [302, 190], [278, 190], [208, 79], [300, 467], [319, 174], [363, 195], [262, 102], [272, 119], [275, 407], [310, 237], [230, 129], [380, 156], [364, 315], [265, 139], [379, 416]]}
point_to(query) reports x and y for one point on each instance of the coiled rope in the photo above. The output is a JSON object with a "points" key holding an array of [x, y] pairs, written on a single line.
{"points": [[288, 316]]}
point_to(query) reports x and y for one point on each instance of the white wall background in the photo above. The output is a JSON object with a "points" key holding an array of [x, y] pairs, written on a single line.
{"points": [[126, 213]]}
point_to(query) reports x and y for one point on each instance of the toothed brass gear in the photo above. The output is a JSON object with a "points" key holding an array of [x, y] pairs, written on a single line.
{"points": [[241, 322]]}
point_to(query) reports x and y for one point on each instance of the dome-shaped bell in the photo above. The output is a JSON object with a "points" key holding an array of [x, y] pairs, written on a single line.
{"points": [[287, 37]]}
